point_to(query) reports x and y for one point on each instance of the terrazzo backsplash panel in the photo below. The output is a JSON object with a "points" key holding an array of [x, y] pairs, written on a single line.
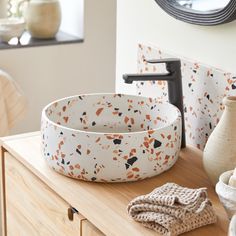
{"points": [[203, 89]]}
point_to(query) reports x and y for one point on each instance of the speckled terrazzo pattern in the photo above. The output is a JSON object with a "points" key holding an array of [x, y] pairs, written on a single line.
{"points": [[80, 137], [203, 88]]}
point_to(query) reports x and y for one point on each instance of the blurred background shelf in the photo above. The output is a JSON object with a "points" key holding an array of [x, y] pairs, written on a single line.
{"points": [[27, 41]]}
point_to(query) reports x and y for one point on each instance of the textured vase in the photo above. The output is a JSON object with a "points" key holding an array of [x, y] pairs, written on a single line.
{"points": [[220, 152], [43, 18]]}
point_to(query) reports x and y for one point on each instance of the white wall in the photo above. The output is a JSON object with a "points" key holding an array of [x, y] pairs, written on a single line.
{"points": [[143, 21], [72, 17], [52, 72]]}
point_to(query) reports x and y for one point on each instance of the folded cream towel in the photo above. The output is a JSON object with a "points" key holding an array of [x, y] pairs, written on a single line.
{"points": [[12, 103], [172, 210]]}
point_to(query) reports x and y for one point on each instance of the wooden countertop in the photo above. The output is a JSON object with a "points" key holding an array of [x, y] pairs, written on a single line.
{"points": [[105, 204]]}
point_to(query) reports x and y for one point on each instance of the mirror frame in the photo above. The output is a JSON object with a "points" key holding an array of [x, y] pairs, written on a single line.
{"points": [[222, 16]]}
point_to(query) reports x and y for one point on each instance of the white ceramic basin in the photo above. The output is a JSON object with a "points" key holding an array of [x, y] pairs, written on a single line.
{"points": [[110, 137]]}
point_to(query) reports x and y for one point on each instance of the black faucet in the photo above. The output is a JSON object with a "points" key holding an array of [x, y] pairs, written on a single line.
{"points": [[174, 80]]}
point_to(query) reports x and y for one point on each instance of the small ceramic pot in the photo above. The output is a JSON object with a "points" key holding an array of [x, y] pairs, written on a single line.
{"points": [[226, 193], [220, 152]]}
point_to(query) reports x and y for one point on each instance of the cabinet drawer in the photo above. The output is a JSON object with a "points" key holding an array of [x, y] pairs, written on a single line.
{"points": [[90, 230], [32, 207]]}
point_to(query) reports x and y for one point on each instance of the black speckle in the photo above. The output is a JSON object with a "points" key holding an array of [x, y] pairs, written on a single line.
{"points": [[142, 83], [156, 144], [211, 75], [117, 141], [48, 154], [93, 178], [116, 109], [132, 160], [78, 151], [210, 125], [143, 151], [80, 97], [61, 133], [84, 113], [135, 111], [68, 102], [127, 166], [194, 71], [120, 113], [130, 126], [129, 109], [189, 85], [94, 123], [208, 96], [175, 128], [63, 161], [81, 119], [185, 109], [68, 163], [233, 86]]}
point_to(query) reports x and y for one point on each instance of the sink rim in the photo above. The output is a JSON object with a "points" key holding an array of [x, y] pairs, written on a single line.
{"points": [[45, 117]]}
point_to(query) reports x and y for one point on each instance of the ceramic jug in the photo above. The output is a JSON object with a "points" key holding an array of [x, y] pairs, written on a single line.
{"points": [[220, 152], [43, 17]]}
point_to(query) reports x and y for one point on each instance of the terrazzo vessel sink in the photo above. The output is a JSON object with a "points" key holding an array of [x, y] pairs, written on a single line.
{"points": [[110, 137]]}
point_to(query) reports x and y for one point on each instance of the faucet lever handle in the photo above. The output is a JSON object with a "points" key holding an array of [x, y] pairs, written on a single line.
{"points": [[172, 64]]}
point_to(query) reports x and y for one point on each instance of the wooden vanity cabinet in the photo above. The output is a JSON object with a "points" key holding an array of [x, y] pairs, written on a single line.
{"points": [[32, 208], [35, 200]]}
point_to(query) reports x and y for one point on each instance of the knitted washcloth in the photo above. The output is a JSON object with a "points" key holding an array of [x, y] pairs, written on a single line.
{"points": [[172, 210]]}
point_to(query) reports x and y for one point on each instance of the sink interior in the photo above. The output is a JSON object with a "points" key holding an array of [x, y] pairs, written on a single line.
{"points": [[110, 113]]}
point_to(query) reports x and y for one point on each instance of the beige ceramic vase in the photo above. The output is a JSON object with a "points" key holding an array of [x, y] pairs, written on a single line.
{"points": [[43, 18], [220, 152]]}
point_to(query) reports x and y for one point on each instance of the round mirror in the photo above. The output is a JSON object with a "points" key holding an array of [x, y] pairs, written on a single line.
{"points": [[204, 6], [201, 12]]}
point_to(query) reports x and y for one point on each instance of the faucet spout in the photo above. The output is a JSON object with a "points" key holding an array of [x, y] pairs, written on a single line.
{"points": [[174, 80], [130, 78]]}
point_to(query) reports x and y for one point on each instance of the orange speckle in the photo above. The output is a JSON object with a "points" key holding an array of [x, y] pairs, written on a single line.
{"points": [[150, 131], [114, 158], [167, 157], [98, 139], [64, 108], [136, 169], [158, 153], [88, 151], [99, 111], [146, 144], [130, 176], [71, 167], [169, 136], [115, 113], [132, 121], [77, 166], [126, 120], [148, 117], [66, 118]]}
